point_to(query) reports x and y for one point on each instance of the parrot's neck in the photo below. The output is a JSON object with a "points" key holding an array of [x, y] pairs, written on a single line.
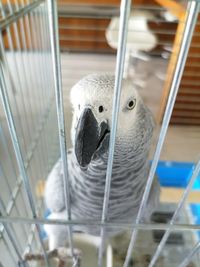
{"points": [[127, 184], [129, 174]]}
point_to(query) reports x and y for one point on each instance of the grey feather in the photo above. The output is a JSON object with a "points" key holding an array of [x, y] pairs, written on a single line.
{"points": [[129, 174]]}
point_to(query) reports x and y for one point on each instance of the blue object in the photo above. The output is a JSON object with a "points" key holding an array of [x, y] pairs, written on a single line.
{"points": [[43, 233], [178, 174]]}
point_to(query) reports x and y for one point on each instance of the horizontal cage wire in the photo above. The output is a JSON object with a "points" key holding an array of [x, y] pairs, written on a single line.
{"points": [[46, 47]]}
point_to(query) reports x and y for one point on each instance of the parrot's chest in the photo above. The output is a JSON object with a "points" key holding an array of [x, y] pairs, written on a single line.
{"points": [[87, 190]]}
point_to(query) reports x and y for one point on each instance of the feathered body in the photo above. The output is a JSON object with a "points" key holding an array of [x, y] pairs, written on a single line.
{"points": [[130, 166]]}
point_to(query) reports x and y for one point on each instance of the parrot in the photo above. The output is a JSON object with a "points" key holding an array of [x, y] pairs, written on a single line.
{"points": [[91, 100]]}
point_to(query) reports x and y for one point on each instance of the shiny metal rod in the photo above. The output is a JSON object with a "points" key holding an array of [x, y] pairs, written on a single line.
{"points": [[123, 29], [18, 154], [55, 50], [92, 223], [192, 13], [188, 189], [18, 14], [13, 134], [8, 249], [11, 234], [188, 258]]}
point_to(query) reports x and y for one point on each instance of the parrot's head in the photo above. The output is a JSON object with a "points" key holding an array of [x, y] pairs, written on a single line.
{"points": [[92, 99]]}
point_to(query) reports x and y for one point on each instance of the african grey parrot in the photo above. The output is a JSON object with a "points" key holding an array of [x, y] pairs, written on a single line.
{"points": [[92, 99]]}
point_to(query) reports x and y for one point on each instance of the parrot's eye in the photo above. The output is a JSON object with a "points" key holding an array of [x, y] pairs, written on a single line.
{"points": [[101, 109], [131, 104]]}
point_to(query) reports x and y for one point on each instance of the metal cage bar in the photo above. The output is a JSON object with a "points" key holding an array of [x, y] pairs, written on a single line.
{"points": [[92, 223], [124, 17], [46, 83], [3, 211], [192, 13], [18, 154], [20, 48], [19, 79], [13, 193], [15, 246], [7, 247], [23, 48], [18, 14], [188, 258], [32, 41], [52, 16], [25, 25], [11, 234], [54, 38], [30, 50], [40, 126]]}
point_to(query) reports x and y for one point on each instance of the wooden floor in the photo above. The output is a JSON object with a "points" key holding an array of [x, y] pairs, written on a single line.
{"points": [[182, 143]]}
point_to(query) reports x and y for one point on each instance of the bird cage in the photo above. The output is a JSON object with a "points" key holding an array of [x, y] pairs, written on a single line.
{"points": [[47, 46]]}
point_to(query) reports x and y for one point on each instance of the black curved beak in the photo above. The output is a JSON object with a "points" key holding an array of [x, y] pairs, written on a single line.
{"points": [[89, 135]]}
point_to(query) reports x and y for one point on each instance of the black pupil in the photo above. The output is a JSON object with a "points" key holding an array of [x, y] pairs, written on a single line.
{"points": [[130, 104], [100, 108]]}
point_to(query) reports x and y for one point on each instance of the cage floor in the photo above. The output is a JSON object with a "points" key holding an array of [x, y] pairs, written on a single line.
{"points": [[179, 243]]}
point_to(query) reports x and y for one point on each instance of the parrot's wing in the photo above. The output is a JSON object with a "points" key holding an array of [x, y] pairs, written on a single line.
{"points": [[54, 190], [153, 199]]}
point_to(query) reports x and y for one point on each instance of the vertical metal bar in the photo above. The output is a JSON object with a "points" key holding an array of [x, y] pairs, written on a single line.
{"points": [[8, 249], [46, 81], [11, 9], [12, 235], [9, 84], [16, 15], [188, 258], [123, 29], [25, 27], [20, 49], [17, 74], [12, 201], [9, 234], [33, 123], [17, 70], [47, 59], [54, 38], [30, 63], [39, 71], [4, 212], [176, 213], [192, 13], [18, 154], [6, 149], [24, 39], [13, 242]]}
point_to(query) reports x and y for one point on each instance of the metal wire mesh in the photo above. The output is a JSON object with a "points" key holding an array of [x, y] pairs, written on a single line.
{"points": [[32, 126], [28, 94]]}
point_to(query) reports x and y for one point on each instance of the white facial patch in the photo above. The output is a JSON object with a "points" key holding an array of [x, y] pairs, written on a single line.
{"points": [[96, 92]]}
